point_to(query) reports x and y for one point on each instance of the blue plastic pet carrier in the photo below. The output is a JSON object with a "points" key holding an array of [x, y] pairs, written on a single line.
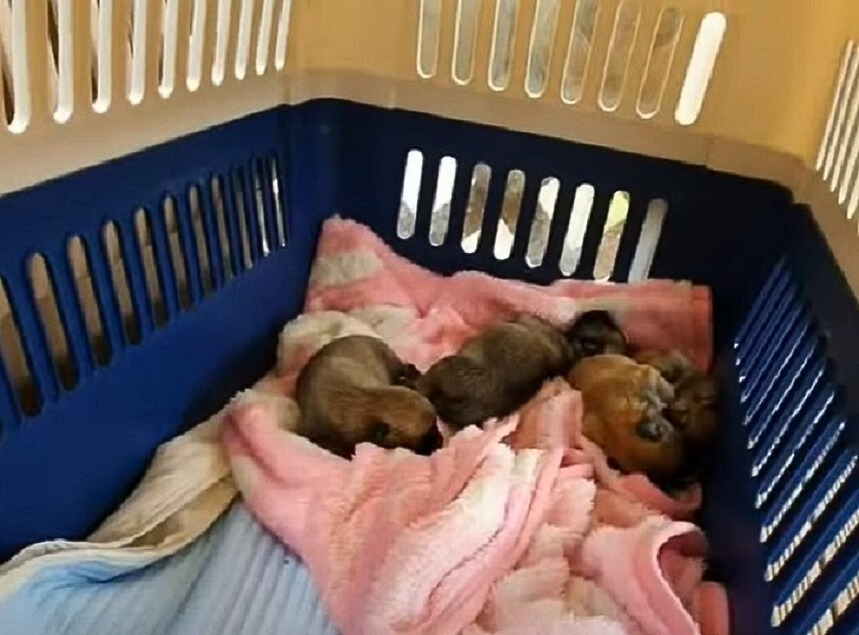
{"points": [[211, 187]]}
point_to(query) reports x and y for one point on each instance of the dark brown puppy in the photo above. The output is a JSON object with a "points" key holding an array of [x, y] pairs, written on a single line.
{"points": [[624, 413], [355, 389], [495, 372]]}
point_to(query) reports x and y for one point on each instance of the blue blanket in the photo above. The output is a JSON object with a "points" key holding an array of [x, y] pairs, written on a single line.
{"points": [[234, 580]]}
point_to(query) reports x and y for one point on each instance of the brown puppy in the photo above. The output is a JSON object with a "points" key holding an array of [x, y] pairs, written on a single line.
{"points": [[693, 409], [495, 372], [348, 394], [624, 404]]}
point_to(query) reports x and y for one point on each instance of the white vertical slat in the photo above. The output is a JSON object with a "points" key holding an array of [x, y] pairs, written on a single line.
{"points": [[246, 38], [833, 109], [200, 42], [264, 46], [841, 115], [137, 77], [282, 46], [167, 60]]}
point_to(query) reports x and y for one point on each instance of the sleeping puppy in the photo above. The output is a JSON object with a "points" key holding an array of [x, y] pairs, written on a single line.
{"points": [[624, 413], [668, 456], [355, 389], [495, 372], [693, 407]]}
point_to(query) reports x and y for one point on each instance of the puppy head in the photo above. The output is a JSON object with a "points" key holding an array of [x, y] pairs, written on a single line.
{"points": [[596, 333], [454, 385], [624, 405], [402, 418], [693, 409]]}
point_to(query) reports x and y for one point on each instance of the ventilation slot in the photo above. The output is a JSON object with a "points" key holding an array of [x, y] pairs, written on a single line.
{"points": [[540, 48], [579, 50], [13, 36], [509, 218], [61, 12], [806, 523], [242, 220], [700, 69], [802, 387], [612, 231], [467, 14], [137, 78], [542, 223], [800, 432], [223, 227], [659, 63], [440, 219], [198, 42], [281, 47], [503, 37], [169, 43], [243, 44], [222, 38], [281, 219], [410, 193], [472, 227], [821, 556], [264, 38], [428, 34], [44, 295], [102, 19], [143, 233], [122, 295], [839, 133], [177, 257], [648, 240], [16, 362], [801, 479], [619, 54], [835, 107], [575, 237], [79, 264], [261, 214], [195, 243]]}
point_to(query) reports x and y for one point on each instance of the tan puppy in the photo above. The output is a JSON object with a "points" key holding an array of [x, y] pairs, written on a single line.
{"points": [[495, 372], [356, 389], [615, 381], [624, 413]]}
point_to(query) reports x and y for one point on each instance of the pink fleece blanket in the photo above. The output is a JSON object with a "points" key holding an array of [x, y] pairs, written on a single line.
{"points": [[518, 528]]}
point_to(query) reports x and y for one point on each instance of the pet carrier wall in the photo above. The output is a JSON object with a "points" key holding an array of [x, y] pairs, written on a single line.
{"points": [[165, 166]]}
